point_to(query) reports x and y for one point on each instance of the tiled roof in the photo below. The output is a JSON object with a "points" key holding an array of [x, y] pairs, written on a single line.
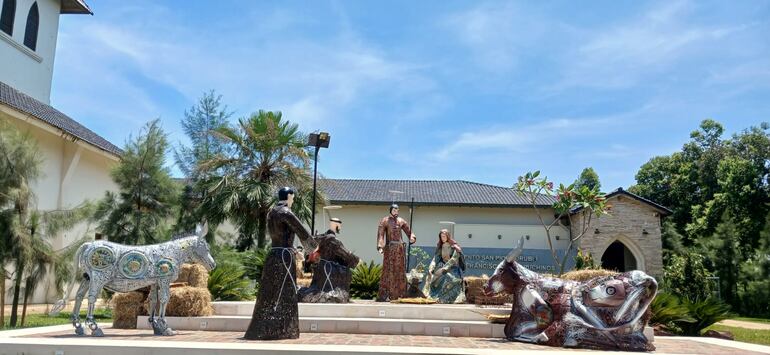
{"points": [[24, 103], [425, 192]]}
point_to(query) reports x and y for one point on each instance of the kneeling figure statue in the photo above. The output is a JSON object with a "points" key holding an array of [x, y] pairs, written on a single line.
{"points": [[331, 271], [606, 313]]}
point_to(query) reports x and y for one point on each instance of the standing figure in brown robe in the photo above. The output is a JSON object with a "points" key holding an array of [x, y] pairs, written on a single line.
{"points": [[276, 314], [393, 281]]}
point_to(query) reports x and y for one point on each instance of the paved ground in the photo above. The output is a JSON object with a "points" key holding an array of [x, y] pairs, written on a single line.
{"points": [[668, 345], [745, 324]]}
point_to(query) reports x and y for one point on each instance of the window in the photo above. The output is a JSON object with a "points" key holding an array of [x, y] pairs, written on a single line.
{"points": [[30, 34], [7, 16]]}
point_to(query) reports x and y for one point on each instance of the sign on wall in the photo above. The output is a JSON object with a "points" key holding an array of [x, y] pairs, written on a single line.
{"points": [[480, 261]]}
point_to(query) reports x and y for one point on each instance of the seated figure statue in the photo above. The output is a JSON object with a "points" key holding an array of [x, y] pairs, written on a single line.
{"points": [[332, 269], [444, 281]]}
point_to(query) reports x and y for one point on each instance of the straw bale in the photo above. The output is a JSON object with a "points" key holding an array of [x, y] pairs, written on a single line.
{"points": [[194, 275], [126, 306], [474, 287], [585, 275], [187, 301]]}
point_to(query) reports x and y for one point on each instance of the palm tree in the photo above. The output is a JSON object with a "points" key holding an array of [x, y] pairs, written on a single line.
{"points": [[267, 153]]}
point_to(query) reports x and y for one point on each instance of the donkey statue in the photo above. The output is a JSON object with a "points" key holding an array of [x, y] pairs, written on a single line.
{"points": [[602, 313], [123, 268]]}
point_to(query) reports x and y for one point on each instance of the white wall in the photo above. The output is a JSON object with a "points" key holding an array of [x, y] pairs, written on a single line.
{"points": [[31, 71], [360, 226]]}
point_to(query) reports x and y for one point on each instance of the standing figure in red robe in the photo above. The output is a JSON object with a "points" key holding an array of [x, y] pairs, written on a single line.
{"points": [[389, 243]]}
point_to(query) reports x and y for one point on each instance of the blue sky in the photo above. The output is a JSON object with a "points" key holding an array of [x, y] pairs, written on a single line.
{"points": [[476, 90]]}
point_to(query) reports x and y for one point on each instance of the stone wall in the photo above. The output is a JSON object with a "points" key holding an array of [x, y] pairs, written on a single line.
{"points": [[627, 222]]}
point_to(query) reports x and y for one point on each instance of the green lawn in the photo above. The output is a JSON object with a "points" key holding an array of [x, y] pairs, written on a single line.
{"points": [[749, 319], [755, 336], [42, 320]]}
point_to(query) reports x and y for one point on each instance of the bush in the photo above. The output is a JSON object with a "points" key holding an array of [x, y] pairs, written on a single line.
{"points": [[584, 261], [228, 283], [687, 277], [666, 309], [254, 262], [365, 280], [704, 314]]}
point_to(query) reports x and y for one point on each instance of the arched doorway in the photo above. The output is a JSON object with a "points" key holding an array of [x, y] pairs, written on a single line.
{"points": [[618, 257]]}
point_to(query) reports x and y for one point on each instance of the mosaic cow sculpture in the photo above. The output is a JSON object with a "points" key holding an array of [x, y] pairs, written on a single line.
{"points": [[601, 313], [123, 268]]}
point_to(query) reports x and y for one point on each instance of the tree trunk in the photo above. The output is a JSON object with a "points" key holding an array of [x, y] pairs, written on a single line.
{"points": [[16, 290], [24, 306], [262, 228], [2, 296]]}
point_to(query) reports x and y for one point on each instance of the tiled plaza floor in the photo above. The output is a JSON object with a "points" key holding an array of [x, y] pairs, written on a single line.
{"points": [[668, 345]]}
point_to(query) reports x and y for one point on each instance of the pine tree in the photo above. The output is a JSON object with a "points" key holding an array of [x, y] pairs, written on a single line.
{"points": [[146, 192]]}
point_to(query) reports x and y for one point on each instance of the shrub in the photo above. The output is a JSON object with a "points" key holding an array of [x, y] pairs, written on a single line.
{"points": [[584, 261], [228, 283], [254, 262], [687, 277], [365, 280], [704, 313], [667, 309]]}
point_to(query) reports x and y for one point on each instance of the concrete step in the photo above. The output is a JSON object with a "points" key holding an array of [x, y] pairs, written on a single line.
{"points": [[379, 310], [350, 325]]}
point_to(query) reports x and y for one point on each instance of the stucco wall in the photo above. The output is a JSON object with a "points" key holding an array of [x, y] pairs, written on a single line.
{"points": [[486, 223], [20, 66], [626, 222]]}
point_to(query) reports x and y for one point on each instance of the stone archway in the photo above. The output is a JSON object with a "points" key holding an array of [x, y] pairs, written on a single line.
{"points": [[622, 255]]}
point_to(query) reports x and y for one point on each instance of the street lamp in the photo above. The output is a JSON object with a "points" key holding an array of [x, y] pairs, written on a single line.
{"points": [[317, 140]]}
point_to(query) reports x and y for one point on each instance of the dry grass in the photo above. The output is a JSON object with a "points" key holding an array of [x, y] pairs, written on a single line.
{"points": [[498, 318], [585, 275], [126, 306], [304, 282], [415, 300], [194, 275]]}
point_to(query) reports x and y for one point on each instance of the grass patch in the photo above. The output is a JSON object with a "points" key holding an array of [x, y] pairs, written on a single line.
{"points": [[43, 320], [749, 319], [754, 336]]}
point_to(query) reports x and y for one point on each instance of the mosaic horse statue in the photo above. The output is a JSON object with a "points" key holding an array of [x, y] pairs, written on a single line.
{"points": [[123, 268], [602, 313]]}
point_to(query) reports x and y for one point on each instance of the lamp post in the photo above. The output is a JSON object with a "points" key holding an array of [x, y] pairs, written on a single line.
{"points": [[317, 140]]}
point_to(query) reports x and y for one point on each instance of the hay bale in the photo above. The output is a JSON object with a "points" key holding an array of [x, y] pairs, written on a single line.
{"points": [[585, 275], [126, 306], [194, 275], [187, 301], [474, 287]]}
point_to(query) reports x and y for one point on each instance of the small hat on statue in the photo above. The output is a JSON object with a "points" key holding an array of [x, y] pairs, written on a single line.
{"points": [[335, 219]]}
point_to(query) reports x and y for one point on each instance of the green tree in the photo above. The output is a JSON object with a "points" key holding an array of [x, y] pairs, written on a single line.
{"points": [[146, 193], [688, 277], [578, 205], [267, 153], [19, 164], [588, 177], [199, 124], [25, 231]]}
